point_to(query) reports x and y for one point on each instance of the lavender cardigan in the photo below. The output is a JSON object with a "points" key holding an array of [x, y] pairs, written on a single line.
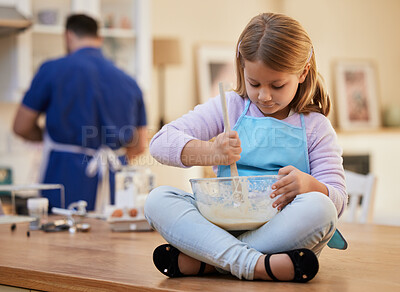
{"points": [[206, 121]]}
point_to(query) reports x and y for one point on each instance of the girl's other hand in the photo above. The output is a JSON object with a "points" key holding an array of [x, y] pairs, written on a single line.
{"points": [[293, 183], [226, 148]]}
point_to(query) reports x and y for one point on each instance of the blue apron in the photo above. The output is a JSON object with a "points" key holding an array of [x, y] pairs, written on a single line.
{"points": [[268, 145]]}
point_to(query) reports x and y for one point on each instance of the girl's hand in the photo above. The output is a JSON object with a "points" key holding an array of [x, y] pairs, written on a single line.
{"points": [[226, 148], [293, 183]]}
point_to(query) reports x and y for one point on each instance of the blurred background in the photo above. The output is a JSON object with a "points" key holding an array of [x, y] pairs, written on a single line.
{"points": [[177, 48]]}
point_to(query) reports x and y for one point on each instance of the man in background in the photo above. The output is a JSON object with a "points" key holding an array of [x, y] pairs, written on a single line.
{"points": [[93, 111]]}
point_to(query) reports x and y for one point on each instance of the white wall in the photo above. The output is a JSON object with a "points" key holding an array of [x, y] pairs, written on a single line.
{"points": [[7, 60], [23, 157]]}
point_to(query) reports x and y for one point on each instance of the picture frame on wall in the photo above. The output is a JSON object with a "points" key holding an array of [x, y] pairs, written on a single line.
{"points": [[356, 97], [215, 63]]}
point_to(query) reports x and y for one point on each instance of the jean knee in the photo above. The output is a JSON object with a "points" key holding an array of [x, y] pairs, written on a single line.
{"points": [[154, 200], [322, 208]]}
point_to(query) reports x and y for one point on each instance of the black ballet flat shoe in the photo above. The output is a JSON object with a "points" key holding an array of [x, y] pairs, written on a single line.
{"points": [[305, 264], [165, 258]]}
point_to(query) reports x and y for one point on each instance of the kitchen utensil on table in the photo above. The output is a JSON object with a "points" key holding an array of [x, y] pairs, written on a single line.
{"points": [[74, 214], [132, 186]]}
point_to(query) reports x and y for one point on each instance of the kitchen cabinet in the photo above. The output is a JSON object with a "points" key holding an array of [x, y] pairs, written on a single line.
{"points": [[382, 146], [124, 25]]}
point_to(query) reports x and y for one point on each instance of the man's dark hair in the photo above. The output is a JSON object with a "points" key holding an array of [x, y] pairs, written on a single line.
{"points": [[82, 25]]}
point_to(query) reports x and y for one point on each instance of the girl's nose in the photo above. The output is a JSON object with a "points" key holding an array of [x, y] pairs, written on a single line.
{"points": [[264, 95]]}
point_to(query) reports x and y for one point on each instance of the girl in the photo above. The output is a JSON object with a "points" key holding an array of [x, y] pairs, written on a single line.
{"points": [[279, 109]]}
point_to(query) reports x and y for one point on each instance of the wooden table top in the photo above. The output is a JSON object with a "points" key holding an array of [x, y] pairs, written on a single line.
{"points": [[102, 260]]}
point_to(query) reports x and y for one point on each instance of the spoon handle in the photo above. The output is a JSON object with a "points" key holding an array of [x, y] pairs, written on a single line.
{"points": [[234, 171]]}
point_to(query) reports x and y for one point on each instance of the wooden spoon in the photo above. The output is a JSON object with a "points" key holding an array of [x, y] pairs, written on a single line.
{"points": [[234, 171], [237, 193]]}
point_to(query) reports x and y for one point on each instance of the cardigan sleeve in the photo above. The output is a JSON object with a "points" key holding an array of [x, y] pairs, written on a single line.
{"points": [[203, 123], [325, 156]]}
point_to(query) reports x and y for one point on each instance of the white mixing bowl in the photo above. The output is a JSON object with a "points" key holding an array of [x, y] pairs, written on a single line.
{"points": [[219, 203]]}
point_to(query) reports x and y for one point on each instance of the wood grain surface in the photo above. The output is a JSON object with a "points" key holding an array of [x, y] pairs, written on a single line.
{"points": [[102, 260]]}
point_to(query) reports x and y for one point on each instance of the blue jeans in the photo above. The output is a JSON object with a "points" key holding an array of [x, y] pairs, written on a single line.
{"points": [[309, 221]]}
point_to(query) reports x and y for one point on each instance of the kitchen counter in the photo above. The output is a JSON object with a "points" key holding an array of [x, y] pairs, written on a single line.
{"points": [[102, 260]]}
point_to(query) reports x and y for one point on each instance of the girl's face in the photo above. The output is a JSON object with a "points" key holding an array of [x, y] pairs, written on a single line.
{"points": [[271, 91]]}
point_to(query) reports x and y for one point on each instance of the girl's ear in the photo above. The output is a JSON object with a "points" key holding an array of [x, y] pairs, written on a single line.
{"points": [[305, 72]]}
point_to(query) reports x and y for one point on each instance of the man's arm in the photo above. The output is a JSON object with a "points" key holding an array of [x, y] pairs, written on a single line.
{"points": [[138, 144], [26, 124]]}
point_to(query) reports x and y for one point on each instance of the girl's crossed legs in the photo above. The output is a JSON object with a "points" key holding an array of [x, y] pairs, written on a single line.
{"points": [[307, 222]]}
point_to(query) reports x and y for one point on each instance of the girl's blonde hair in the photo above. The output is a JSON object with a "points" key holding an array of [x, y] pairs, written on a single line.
{"points": [[283, 45]]}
